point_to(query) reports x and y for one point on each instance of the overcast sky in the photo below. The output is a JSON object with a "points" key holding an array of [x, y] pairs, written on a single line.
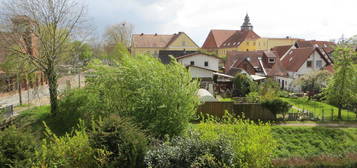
{"points": [[308, 19]]}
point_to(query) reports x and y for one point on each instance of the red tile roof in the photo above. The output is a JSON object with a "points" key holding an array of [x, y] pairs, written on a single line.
{"points": [[235, 58], [216, 38], [296, 58], [237, 38], [281, 50]]}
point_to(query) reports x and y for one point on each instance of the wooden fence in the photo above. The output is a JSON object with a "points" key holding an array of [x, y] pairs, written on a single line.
{"points": [[249, 111]]}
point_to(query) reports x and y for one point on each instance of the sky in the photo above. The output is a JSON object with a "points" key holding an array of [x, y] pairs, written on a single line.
{"points": [[307, 19]]}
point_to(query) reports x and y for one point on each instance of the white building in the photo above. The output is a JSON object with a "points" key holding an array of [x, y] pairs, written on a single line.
{"points": [[300, 61], [200, 65]]}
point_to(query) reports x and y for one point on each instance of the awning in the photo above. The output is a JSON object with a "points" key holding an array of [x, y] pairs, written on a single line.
{"points": [[256, 77], [223, 75]]}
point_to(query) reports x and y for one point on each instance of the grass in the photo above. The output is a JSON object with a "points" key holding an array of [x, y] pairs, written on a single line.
{"points": [[315, 145], [320, 109]]}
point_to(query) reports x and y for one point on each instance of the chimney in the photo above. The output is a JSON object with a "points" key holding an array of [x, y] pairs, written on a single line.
{"points": [[155, 34], [141, 34]]}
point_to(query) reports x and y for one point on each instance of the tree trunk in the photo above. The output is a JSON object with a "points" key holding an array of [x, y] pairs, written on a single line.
{"points": [[52, 84], [339, 112], [19, 88]]}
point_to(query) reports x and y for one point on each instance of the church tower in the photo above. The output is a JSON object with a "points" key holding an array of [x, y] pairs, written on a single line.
{"points": [[246, 25]]}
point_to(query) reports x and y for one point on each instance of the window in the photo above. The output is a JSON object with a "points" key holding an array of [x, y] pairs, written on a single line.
{"points": [[192, 63], [309, 64], [183, 43], [247, 49], [247, 43], [206, 63], [318, 64], [271, 60]]}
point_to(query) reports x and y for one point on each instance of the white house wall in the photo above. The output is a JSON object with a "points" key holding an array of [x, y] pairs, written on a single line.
{"points": [[314, 58], [200, 73], [200, 61], [302, 71]]}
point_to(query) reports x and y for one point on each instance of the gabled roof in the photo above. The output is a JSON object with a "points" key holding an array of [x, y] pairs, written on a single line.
{"points": [[281, 50], [237, 38], [296, 58], [216, 38], [257, 60], [188, 66], [327, 46], [152, 40]]}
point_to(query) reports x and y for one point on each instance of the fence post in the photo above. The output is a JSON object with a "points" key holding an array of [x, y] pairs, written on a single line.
{"points": [[332, 114], [323, 115]]}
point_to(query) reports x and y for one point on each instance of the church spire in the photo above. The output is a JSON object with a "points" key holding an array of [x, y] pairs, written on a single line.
{"points": [[246, 25]]}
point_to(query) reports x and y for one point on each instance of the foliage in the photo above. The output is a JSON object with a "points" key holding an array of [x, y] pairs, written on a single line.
{"points": [[114, 53], [192, 152], [313, 82], [277, 106], [119, 33], [50, 25], [126, 143], [80, 54], [253, 97], [78, 104], [16, 148], [314, 141], [69, 151], [269, 89], [252, 143], [340, 89], [162, 98], [242, 85]]}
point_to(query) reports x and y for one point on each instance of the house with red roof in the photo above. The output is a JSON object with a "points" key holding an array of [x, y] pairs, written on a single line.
{"points": [[223, 41], [283, 63]]}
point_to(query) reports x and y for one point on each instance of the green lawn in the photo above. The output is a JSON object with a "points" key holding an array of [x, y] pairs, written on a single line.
{"points": [[315, 145], [319, 109]]}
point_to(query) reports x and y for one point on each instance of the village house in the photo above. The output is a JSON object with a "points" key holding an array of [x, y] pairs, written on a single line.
{"points": [[202, 67], [223, 41], [154, 43], [283, 63], [21, 33]]}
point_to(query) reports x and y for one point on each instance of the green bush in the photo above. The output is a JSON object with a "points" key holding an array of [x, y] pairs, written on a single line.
{"points": [[124, 140], [242, 85], [192, 152], [277, 106], [253, 97], [69, 151], [162, 98], [16, 148], [76, 104], [253, 144]]}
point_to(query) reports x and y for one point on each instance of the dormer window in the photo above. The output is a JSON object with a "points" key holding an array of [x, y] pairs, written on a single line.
{"points": [[271, 60]]}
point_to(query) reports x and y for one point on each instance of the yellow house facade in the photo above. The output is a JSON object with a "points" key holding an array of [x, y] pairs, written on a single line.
{"points": [[154, 43]]}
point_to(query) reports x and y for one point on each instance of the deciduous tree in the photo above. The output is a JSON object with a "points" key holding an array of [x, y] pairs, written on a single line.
{"points": [[40, 29], [340, 90]]}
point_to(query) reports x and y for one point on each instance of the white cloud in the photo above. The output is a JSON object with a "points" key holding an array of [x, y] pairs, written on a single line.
{"points": [[309, 19]]}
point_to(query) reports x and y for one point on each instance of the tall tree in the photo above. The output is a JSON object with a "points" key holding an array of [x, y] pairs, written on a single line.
{"points": [[43, 27], [119, 33], [340, 90]]}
